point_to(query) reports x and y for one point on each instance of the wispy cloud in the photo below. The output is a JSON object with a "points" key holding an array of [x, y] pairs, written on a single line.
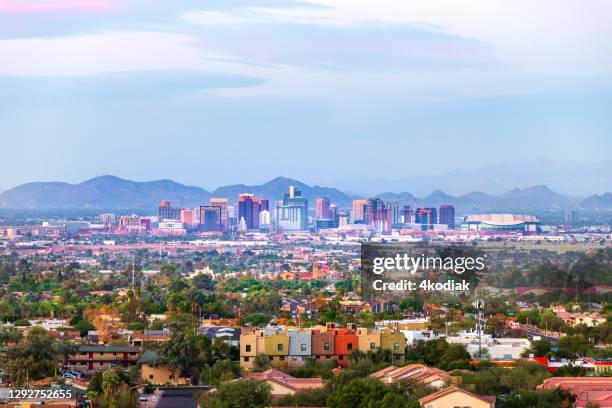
{"points": [[115, 51], [559, 36]]}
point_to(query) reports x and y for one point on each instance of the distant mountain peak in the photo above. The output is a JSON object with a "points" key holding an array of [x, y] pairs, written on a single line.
{"points": [[112, 192]]}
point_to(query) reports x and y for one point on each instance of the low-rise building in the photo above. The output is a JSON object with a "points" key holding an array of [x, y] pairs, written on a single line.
{"points": [[456, 397], [415, 373], [283, 384], [368, 340], [394, 341], [300, 347], [498, 349], [228, 335], [92, 358], [276, 344], [155, 370], [345, 341], [589, 391], [322, 345]]}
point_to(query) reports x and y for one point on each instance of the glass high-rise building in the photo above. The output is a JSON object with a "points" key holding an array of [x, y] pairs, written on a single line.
{"points": [[167, 212], [211, 218], [222, 203], [427, 217], [248, 210], [447, 215], [292, 214], [322, 209]]}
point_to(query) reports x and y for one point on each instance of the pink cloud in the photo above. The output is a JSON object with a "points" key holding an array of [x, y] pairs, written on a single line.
{"points": [[45, 6]]}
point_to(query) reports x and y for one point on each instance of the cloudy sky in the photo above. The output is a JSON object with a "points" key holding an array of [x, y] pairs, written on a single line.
{"points": [[216, 92]]}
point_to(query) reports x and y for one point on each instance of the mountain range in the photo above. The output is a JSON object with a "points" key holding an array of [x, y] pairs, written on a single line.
{"points": [[565, 177], [111, 192]]}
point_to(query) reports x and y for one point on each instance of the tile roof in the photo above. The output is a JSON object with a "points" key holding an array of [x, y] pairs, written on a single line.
{"points": [[285, 379], [449, 390]]}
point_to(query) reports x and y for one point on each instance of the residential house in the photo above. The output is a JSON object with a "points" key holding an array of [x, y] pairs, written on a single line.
{"points": [[455, 397], [283, 384], [415, 373], [155, 370], [394, 341], [276, 344], [322, 345], [345, 341], [300, 347], [368, 340], [594, 390]]}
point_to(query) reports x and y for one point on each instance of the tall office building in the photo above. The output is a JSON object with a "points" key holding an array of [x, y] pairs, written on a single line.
{"points": [[108, 219], [571, 217], [322, 209], [292, 214], [407, 216], [376, 215], [427, 217], [358, 211], [211, 218], [187, 218], [447, 215], [343, 219], [248, 210], [333, 214], [167, 212], [264, 204], [222, 203], [264, 220], [393, 212]]}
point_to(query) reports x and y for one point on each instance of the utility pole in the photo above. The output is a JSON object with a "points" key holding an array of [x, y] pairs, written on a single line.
{"points": [[479, 304], [133, 271]]}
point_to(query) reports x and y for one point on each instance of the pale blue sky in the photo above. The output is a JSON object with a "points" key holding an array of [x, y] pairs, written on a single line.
{"points": [[240, 91]]}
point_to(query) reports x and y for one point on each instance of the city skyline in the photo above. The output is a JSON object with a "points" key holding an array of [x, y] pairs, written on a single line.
{"points": [[188, 91]]}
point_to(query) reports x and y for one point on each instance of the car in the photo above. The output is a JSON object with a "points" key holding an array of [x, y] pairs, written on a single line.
{"points": [[73, 373], [77, 373]]}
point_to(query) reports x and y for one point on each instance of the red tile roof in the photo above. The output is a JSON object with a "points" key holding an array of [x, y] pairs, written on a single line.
{"points": [[586, 389], [449, 390], [285, 379]]}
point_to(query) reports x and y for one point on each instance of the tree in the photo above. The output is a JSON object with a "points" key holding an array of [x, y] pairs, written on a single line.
{"points": [[9, 334], [112, 389], [41, 349], [539, 399], [367, 393], [310, 397], [525, 376], [433, 351], [261, 363], [106, 320], [257, 319], [239, 394], [572, 346], [455, 356], [16, 370], [181, 352], [539, 348], [224, 370], [111, 380]]}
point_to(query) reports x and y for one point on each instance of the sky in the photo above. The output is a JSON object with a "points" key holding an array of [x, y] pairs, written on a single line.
{"points": [[211, 92]]}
